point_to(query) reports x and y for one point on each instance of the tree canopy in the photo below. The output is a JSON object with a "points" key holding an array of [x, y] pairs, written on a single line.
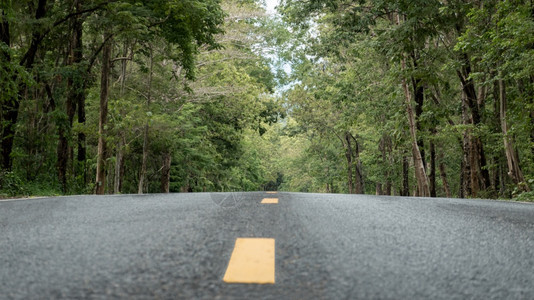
{"points": [[424, 98]]}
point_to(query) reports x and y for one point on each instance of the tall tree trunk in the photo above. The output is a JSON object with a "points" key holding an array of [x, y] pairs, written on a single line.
{"points": [[388, 162], [348, 155], [388, 188], [443, 176], [468, 87], [82, 147], [118, 163], [359, 186], [405, 191], [10, 108], [496, 127], [466, 183], [462, 189], [383, 146], [62, 156], [419, 97], [144, 159], [81, 136], [432, 175], [495, 180], [104, 89], [514, 170], [420, 173], [7, 145], [166, 173], [122, 166], [142, 175], [531, 97], [119, 156], [502, 177], [75, 56], [532, 130]]}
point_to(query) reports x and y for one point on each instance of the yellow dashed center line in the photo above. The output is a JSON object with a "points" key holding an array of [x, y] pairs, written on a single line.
{"points": [[252, 261], [272, 192], [269, 201]]}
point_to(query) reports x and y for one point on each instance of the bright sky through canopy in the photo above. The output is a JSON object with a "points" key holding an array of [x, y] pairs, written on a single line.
{"points": [[271, 5]]}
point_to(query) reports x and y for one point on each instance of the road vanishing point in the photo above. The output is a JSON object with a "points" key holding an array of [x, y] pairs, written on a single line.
{"points": [[261, 245]]}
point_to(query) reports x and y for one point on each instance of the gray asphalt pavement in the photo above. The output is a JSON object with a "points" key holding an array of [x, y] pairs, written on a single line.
{"points": [[177, 246]]}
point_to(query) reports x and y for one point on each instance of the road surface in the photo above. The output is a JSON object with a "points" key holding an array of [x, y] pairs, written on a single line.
{"points": [[317, 246]]}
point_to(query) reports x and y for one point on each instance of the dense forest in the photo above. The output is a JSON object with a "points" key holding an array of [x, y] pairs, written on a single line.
{"points": [[411, 98]]}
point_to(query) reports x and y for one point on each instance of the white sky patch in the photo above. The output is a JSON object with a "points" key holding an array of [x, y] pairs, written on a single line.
{"points": [[270, 5]]}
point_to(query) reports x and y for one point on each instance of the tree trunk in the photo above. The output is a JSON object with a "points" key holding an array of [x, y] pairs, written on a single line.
{"points": [[496, 127], [359, 187], [471, 146], [142, 175], [502, 176], [122, 167], [443, 176], [420, 173], [166, 173], [10, 108], [468, 87], [466, 183], [118, 163], [419, 97], [432, 175], [405, 191], [119, 156], [378, 189], [532, 130], [81, 136], [7, 129], [462, 189], [389, 165], [385, 147], [514, 170], [382, 145], [144, 159], [531, 97], [104, 89], [75, 56], [348, 155]]}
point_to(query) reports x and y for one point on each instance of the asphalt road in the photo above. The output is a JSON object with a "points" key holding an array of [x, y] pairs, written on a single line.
{"points": [[178, 246]]}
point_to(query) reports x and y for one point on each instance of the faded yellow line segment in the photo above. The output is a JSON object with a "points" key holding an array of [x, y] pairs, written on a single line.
{"points": [[272, 192], [269, 201], [252, 261]]}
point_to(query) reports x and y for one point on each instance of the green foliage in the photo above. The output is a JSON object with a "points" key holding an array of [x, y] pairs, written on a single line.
{"points": [[347, 72], [11, 185], [240, 101], [525, 197]]}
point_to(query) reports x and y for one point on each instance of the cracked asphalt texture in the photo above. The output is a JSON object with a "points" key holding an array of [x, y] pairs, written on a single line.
{"points": [[177, 246]]}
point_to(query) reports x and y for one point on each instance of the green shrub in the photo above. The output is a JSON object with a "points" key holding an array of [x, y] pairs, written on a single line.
{"points": [[11, 185], [525, 197]]}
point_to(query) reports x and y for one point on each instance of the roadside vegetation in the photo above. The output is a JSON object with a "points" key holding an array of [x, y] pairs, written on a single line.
{"points": [[411, 98]]}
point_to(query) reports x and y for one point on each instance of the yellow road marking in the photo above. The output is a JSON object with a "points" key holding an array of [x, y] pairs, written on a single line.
{"points": [[269, 201], [252, 261], [272, 192]]}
